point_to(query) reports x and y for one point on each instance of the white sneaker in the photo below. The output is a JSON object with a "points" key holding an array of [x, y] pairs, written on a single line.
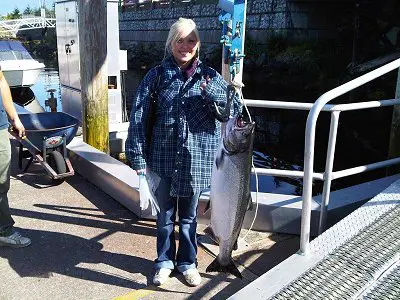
{"points": [[192, 277], [14, 240], [161, 276]]}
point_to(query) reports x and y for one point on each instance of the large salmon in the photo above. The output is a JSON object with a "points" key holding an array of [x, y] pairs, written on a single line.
{"points": [[230, 189]]}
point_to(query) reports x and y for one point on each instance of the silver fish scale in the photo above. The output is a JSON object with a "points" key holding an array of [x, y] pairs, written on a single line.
{"points": [[350, 268]]}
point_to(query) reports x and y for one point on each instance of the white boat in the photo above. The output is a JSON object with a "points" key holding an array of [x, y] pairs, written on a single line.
{"points": [[18, 66]]}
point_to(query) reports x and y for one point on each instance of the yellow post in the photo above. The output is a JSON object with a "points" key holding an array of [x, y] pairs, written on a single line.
{"points": [[93, 72]]}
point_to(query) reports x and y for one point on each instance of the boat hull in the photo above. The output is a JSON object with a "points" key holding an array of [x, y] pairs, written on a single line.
{"points": [[21, 73]]}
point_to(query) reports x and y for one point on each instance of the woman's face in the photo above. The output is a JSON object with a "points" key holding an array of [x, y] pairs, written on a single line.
{"points": [[185, 49]]}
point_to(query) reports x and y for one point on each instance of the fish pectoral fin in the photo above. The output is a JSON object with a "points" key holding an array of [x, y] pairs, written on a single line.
{"points": [[209, 231], [218, 159], [231, 268]]}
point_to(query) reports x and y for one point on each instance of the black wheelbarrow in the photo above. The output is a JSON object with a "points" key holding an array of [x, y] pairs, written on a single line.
{"points": [[46, 138]]}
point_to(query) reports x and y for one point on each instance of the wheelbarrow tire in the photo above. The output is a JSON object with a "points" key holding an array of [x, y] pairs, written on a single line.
{"points": [[57, 162]]}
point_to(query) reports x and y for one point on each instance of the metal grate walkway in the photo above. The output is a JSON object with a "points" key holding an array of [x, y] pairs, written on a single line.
{"points": [[357, 258], [347, 271], [386, 288]]}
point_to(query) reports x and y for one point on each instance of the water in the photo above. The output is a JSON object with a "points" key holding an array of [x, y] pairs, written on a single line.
{"points": [[48, 79]]}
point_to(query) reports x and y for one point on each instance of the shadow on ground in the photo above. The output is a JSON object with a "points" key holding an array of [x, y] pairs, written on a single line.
{"points": [[53, 252]]}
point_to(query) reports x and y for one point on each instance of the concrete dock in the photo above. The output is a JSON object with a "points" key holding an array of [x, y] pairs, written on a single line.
{"points": [[85, 245]]}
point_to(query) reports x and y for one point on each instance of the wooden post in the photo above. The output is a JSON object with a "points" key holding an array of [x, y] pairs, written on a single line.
{"points": [[394, 143], [93, 72]]}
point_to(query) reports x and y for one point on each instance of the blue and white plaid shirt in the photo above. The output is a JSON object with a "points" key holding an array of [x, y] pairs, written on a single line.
{"points": [[186, 132]]}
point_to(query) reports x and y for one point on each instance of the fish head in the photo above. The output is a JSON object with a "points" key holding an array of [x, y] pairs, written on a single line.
{"points": [[238, 134]]}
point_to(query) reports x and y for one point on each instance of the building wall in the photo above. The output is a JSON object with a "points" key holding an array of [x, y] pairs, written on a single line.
{"points": [[299, 19]]}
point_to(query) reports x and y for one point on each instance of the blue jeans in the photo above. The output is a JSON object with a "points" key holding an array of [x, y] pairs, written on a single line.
{"points": [[6, 221], [187, 212]]}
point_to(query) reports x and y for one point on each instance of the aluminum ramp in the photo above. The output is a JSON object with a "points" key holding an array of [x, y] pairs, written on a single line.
{"points": [[358, 258]]}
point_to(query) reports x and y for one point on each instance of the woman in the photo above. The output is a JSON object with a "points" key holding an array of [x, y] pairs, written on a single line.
{"points": [[184, 139]]}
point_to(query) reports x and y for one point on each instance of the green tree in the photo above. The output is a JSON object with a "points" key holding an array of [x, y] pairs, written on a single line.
{"points": [[16, 14], [50, 13], [28, 10], [36, 11]]}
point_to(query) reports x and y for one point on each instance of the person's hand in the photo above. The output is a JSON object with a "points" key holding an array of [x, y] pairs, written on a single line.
{"points": [[141, 172], [204, 82], [18, 127]]}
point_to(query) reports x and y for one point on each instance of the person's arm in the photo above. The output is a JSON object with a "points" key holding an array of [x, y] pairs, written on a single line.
{"points": [[214, 91], [135, 143], [9, 106]]}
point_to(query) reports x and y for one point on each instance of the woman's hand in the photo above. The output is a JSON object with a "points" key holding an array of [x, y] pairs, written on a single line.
{"points": [[141, 172], [204, 82]]}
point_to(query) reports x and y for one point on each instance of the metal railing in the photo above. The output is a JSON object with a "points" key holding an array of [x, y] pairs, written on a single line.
{"points": [[13, 26], [328, 175]]}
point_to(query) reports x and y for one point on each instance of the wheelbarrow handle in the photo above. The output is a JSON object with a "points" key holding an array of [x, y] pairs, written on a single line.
{"points": [[14, 134], [12, 131], [24, 138]]}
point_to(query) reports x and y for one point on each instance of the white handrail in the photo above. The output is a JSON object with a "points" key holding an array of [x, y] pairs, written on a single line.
{"points": [[328, 175], [15, 25], [310, 142]]}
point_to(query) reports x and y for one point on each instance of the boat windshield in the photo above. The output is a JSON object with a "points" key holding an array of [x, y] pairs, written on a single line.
{"points": [[13, 50]]}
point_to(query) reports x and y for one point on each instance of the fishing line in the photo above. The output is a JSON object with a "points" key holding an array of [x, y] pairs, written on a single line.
{"points": [[252, 161], [255, 213], [244, 104]]}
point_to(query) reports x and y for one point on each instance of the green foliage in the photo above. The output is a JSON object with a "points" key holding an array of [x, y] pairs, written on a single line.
{"points": [[36, 11], [275, 45], [292, 70], [253, 49], [28, 10], [16, 14]]}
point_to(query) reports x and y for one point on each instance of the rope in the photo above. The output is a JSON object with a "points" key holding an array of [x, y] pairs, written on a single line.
{"points": [[238, 86]]}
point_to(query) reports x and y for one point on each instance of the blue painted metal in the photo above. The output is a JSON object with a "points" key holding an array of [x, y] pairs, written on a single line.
{"points": [[42, 126], [226, 5], [233, 18]]}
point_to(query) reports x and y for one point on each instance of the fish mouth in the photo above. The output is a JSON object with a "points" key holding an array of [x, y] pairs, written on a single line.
{"points": [[242, 124], [238, 135]]}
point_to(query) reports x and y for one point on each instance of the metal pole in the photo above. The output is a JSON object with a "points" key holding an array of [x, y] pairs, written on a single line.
{"points": [[238, 38], [394, 142], [227, 30], [233, 17], [328, 171], [310, 142]]}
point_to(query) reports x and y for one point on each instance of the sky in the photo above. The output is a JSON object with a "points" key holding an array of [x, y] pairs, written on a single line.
{"points": [[7, 6]]}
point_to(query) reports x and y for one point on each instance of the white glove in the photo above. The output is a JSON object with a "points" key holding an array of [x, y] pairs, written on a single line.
{"points": [[146, 197]]}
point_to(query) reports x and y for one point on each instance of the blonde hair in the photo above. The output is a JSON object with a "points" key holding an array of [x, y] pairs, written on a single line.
{"points": [[180, 28]]}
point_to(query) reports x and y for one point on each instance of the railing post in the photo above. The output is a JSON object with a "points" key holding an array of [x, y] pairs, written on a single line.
{"points": [[328, 170], [310, 141], [394, 142], [308, 177]]}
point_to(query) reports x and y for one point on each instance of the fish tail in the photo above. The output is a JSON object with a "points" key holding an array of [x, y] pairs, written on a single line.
{"points": [[231, 268]]}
